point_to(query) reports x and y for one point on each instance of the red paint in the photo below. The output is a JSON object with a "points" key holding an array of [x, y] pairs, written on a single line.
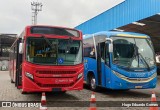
{"points": [[64, 77]]}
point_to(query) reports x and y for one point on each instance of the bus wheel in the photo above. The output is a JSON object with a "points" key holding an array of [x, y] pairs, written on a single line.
{"points": [[124, 90], [62, 92], [93, 83], [23, 92]]}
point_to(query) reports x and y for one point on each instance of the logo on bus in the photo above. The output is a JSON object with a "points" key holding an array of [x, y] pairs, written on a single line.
{"points": [[139, 74], [139, 79]]}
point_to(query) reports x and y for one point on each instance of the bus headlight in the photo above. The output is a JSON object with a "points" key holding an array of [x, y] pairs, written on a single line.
{"points": [[118, 74], [154, 75], [30, 76], [80, 75]]}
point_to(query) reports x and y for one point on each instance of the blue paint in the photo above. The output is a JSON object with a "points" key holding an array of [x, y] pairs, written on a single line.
{"points": [[120, 15], [109, 79]]}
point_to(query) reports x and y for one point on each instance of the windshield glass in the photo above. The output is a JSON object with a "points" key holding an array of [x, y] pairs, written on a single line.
{"points": [[54, 30], [133, 52], [53, 51]]}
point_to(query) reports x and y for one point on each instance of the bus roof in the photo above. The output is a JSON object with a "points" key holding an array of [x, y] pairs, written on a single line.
{"points": [[116, 33], [29, 26]]}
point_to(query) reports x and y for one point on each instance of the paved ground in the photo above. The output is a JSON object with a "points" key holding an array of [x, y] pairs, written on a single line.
{"points": [[9, 93]]}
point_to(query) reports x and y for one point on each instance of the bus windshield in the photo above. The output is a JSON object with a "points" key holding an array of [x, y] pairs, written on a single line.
{"points": [[53, 51], [133, 52]]}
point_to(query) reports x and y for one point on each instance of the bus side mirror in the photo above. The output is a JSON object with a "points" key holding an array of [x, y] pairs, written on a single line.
{"points": [[110, 42], [20, 48], [110, 48]]}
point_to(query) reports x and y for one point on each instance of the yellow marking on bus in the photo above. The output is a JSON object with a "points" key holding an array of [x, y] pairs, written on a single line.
{"points": [[128, 35], [85, 61]]}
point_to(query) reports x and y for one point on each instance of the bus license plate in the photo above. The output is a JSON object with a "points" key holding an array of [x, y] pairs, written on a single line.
{"points": [[138, 87], [56, 89]]}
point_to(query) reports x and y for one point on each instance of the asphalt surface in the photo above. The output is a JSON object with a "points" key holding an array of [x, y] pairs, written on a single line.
{"points": [[8, 92]]}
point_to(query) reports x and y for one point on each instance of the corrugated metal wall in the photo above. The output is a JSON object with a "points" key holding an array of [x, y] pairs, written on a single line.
{"points": [[124, 13]]}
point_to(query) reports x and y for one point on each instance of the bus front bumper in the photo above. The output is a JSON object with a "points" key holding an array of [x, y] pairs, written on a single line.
{"points": [[31, 86], [119, 83]]}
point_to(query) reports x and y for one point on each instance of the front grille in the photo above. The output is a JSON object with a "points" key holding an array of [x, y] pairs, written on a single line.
{"points": [[138, 79], [56, 72], [131, 85], [55, 85]]}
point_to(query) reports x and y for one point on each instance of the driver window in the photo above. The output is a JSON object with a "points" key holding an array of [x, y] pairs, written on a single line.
{"points": [[107, 54], [104, 53]]}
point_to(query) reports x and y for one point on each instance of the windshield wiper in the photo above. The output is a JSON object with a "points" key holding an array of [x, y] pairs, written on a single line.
{"points": [[47, 41], [144, 61], [137, 54], [50, 44]]}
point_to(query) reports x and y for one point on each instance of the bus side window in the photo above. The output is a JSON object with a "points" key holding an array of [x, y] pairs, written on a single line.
{"points": [[89, 52], [86, 51], [92, 53]]}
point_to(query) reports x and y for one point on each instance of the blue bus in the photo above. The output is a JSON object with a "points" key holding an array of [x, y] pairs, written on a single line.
{"points": [[119, 60]]}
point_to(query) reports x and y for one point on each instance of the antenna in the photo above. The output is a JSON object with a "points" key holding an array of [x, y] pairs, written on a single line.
{"points": [[35, 7]]}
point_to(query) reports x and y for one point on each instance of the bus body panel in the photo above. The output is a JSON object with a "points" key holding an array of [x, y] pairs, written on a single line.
{"points": [[90, 66], [45, 78], [118, 83], [32, 77], [114, 76]]}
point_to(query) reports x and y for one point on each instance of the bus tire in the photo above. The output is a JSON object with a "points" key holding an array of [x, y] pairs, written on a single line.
{"points": [[62, 92], [124, 90], [92, 83], [23, 92]]}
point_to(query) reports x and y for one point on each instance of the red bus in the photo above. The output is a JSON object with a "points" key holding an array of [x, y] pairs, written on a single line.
{"points": [[47, 58]]}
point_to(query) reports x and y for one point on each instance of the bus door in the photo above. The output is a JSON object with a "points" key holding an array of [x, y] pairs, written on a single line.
{"points": [[103, 69], [18, 82]]}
